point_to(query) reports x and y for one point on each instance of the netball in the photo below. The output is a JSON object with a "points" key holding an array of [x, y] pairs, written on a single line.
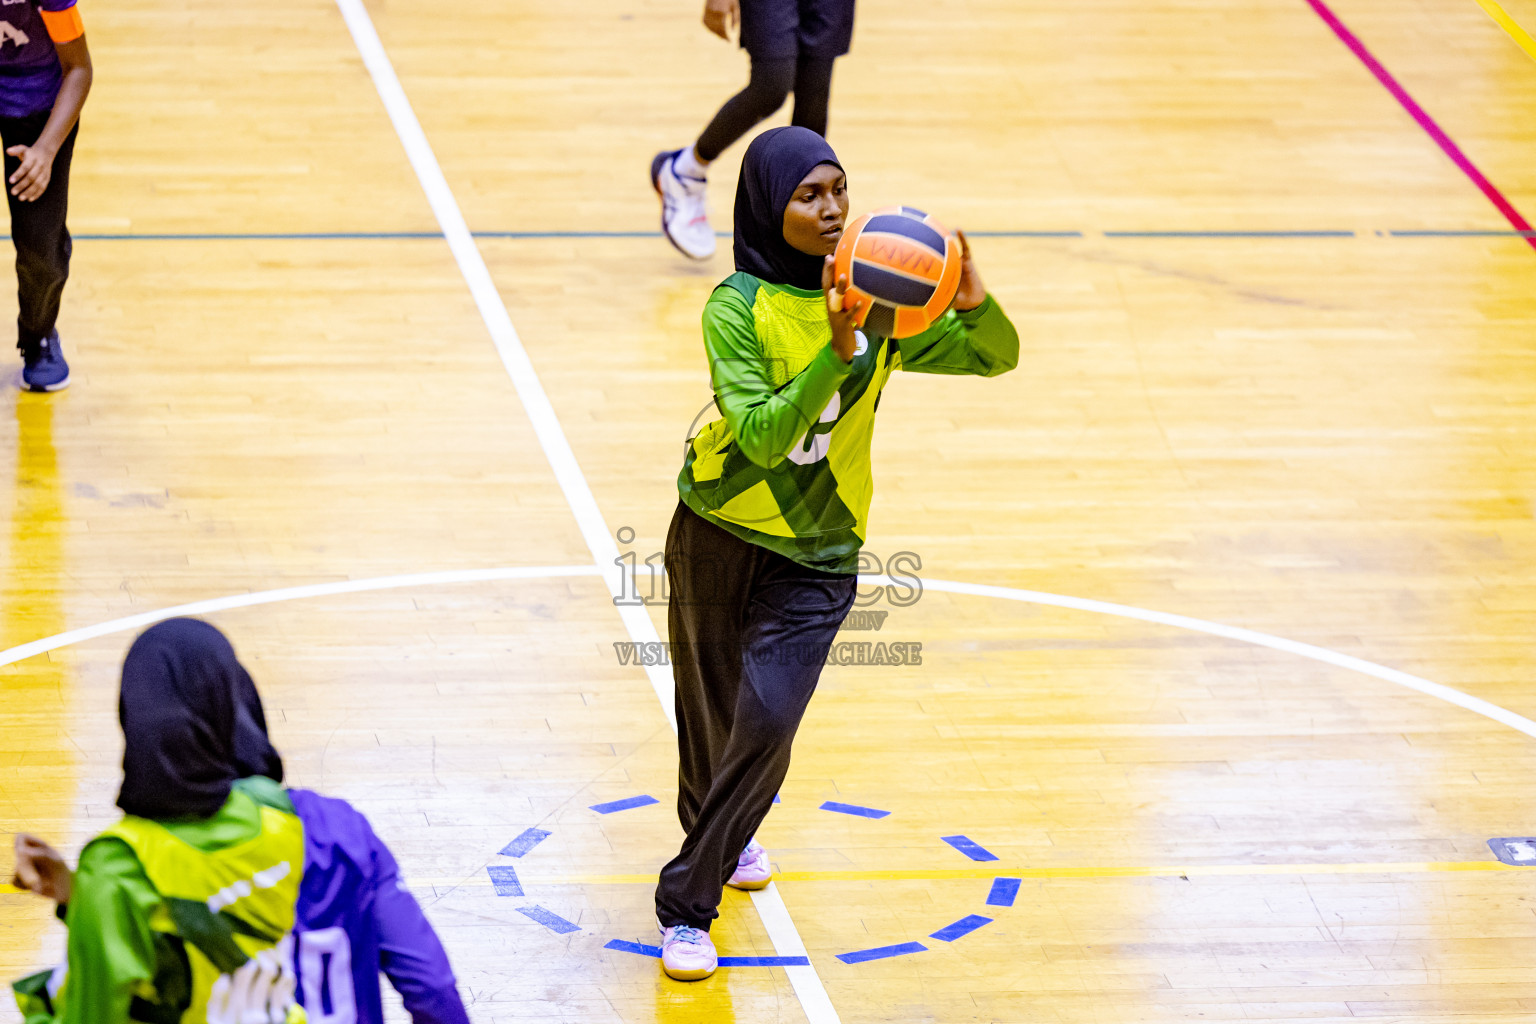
{"points": [[904, 264]]}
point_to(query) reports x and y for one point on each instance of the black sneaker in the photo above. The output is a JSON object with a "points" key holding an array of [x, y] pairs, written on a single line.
{"points": [[45, 368]]}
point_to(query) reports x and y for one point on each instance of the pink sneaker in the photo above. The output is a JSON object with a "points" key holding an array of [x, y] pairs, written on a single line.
{"points": [[687, 954], [752, 870]]}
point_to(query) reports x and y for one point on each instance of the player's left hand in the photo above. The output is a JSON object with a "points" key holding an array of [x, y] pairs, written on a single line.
{"points": [[32, 177], [971, 292], [41, 869]]}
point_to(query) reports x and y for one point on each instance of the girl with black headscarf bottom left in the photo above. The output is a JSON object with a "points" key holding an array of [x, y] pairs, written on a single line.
{"points": [[763, 549], [220, 896]]}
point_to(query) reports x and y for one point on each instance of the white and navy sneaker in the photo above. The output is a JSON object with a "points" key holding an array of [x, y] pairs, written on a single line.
{"points": [[43, 365], [684, 218]]}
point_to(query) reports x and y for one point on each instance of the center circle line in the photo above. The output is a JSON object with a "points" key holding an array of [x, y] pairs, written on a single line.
{"points": [[1312, 652]]}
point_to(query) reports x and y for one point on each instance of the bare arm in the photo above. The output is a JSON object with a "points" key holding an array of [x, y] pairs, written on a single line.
{"points": [[31, 179]]}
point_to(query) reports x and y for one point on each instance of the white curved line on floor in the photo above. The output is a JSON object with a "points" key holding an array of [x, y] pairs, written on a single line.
{"points": [[220, 604], [1476, 705]]}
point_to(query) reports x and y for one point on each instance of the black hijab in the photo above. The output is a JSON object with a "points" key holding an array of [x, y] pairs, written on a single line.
{"points": [[192, 723], [776, 163]]}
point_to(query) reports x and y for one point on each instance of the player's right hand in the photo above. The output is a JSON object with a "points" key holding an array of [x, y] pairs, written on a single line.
{"points": [[842, 312], [722, 17], [31, 178], [41, 869]]}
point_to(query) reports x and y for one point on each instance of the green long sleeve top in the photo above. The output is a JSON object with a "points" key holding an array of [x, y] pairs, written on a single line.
{"points": [[787, 465], [112, 951]]}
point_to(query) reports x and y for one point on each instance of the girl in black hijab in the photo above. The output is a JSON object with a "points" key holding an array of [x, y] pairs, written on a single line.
{"points": [[201, 778], [764, 547], [200, 788], [192, 723]]}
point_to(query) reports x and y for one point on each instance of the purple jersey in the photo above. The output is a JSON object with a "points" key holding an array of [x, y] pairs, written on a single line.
{"points": [[355, 917], [30, 74]]}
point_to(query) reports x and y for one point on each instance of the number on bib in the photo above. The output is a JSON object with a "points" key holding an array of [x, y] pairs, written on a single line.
{"points": [[260, 991], [325, 967], [803, 454]]}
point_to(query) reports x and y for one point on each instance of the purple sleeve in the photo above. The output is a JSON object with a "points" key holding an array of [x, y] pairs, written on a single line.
{"points": [[409, 950]]}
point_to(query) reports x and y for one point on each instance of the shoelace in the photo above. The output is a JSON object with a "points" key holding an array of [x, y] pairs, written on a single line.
{"points": [[684, 933], [692, 187]]}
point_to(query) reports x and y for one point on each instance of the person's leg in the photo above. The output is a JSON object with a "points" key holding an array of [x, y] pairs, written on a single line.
{"points": [[768, 86], [823, 34], [43, 249], [769, 34], [813, 92], [791, 620], [43, 245], [708, 572]]}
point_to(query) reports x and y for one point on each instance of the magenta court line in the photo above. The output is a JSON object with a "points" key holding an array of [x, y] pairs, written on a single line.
{"points": [[1425, 121]]}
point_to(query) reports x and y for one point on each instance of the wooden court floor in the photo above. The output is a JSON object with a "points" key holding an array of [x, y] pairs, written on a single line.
{"points": [[1278, 373]]}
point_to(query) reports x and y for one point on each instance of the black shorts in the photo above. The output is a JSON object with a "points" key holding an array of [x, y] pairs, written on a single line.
{"points": [[786, 29]]}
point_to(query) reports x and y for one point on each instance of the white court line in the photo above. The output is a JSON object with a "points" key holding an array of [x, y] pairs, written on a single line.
{"points": [[1391, 675], [605, 553], [1439, 691], [219, 604], [546, 425]]}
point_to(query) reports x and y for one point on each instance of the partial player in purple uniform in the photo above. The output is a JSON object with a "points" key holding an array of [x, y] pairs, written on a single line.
{"points": [[355, 917], [45, 73], [194, 732]]}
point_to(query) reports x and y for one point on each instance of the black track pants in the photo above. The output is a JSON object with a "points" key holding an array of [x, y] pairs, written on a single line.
{"points": [[37, 229], [750, 631]]}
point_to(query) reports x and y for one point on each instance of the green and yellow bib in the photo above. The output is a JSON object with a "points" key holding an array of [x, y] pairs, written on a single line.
{"points": [[217, 908], [221, 915]]}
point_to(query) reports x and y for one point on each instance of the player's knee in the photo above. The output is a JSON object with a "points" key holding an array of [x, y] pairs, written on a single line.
{"points": [[779, 730], [775, 724], [770, 86], [38, 266], [40, 247]]}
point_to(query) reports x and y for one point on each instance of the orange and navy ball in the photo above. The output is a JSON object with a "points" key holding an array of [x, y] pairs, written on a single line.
{"points": [[904, 265]]}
